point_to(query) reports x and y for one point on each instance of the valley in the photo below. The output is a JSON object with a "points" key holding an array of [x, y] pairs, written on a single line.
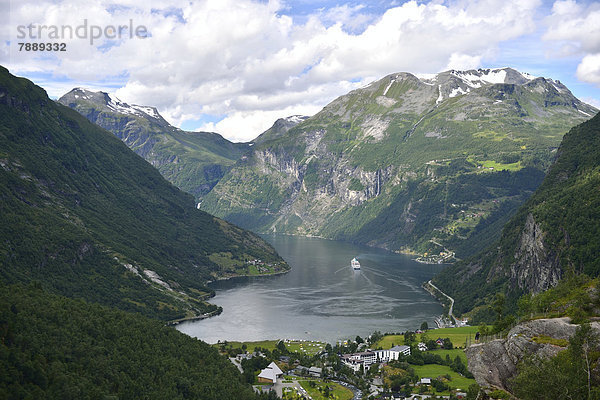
{"points": [[465, 167]]}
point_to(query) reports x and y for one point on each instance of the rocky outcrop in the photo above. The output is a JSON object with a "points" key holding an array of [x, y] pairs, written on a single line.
{"points": [[537, 268], [494, 364]]}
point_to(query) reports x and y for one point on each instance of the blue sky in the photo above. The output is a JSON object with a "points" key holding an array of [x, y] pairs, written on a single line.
{"points": [[235, 66]]}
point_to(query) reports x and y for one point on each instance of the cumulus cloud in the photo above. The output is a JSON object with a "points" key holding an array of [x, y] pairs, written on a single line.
{"points": [[251, 63], [575, 29]]}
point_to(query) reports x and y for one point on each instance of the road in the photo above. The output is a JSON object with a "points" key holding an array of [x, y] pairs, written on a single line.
{"points": [[449, 298]]}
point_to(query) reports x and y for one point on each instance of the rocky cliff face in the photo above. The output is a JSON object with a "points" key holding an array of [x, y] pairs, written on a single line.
{"points": [[423, 162], [494, 364], [536, 267]]}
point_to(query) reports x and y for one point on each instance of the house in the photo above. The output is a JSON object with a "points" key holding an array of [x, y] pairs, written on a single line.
{"points": [[354, 361], [367, 358], [422, 346], [270, 374], [439, 341], [425, 381], [314, 371], [284, 359], [393, 353]]}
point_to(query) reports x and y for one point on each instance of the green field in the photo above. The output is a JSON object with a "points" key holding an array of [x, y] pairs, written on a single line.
{"points": [[307, 347], [452, 353], [433, 371], [339, 392], [458, 336], [264, 344], [294, 346]]}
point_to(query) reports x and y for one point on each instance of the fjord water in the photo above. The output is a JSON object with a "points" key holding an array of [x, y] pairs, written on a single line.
{"points": [[322, 297]]}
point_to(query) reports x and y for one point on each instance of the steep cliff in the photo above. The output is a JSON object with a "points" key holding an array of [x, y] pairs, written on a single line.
{"points": [[426, 163]]}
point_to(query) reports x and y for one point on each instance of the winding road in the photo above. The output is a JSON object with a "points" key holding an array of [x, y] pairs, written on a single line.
{"points": [[449, 298]]}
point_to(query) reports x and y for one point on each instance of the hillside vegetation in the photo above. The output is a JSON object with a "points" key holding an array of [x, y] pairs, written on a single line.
{"points": [[554, 234], [58, 348], [87, 218], [192, 161]]}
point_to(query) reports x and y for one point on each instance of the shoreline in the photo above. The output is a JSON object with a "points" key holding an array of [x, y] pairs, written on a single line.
{"points": [[176, 322], [227, 278]]}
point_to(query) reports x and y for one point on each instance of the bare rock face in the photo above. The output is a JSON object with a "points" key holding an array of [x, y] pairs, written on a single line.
{"points": [[537, 268], [494, 364]]}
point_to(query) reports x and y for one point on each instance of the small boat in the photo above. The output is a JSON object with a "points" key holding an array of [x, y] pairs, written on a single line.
{"points": [[355, 264]]}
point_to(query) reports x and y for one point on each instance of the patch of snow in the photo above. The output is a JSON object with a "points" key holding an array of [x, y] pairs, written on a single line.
{"points": [[151, 111], [584, 113], [296, 118], [455, 92], [560, 90], [440, 97], [117, 105], [528, 76], [388, 86], [76, 96], [498, 102], [251, 144]]}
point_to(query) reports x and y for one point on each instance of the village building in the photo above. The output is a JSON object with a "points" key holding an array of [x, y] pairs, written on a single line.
{"points": [[367, 358], [270, 374]]}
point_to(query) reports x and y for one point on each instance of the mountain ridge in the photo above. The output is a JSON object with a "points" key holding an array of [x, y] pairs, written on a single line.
{"points": [[192, 161]]}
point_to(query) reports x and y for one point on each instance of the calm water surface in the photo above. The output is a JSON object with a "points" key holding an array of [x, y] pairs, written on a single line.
{"points": [[322, 298]]}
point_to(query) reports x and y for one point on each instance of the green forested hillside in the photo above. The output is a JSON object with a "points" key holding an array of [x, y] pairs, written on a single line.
{"points": [[52, 347], [557, 231], [86, 217]]}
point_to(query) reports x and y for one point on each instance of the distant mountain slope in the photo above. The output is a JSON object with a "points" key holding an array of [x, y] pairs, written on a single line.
{"points": [[192, 161], [556, 232], [86, 217], [52, 347], [406, 163]]}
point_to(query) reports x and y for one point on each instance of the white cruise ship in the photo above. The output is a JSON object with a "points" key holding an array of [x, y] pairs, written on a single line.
{"points": [[355, 264]]}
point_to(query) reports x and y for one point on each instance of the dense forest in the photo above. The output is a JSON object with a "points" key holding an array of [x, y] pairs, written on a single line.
{"points": [[58, 348]]}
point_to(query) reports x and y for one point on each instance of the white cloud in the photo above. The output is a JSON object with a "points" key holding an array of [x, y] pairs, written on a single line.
{"points": [[463, 61], [589, 69], [248, 61], [575, 28]]}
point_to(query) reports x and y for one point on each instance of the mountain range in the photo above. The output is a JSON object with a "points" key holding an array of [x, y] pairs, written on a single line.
{"points": [[192, 161], [431, 164]]}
